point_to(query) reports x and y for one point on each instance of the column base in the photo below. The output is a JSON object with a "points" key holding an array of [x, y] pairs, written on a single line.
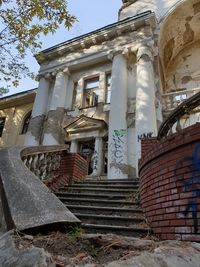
{"points": [[120, 171]]}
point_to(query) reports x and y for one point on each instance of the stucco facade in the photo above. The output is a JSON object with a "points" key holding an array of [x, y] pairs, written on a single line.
{"points": [[103, 91], [15, 111]]}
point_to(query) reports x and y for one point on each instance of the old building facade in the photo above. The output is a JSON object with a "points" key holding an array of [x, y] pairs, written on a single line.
{"points": [[15, 114], [103, 91]]}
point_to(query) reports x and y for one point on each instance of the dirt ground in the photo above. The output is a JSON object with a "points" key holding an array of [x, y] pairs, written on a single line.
{"points": [[76, 248]]}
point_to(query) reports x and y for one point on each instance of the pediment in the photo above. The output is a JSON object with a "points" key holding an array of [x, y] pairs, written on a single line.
{"points": [[85, 124]]}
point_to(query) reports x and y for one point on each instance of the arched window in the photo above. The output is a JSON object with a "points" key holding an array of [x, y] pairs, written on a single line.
{"points": [[26, 123]]}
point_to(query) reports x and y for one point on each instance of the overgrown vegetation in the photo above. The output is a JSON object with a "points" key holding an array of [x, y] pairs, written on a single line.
{"points": [[21, 24]]}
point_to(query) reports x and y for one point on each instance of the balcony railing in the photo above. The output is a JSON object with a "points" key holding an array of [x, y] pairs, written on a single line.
{"points": [[185, 114], [172, 100], [44, 160]]}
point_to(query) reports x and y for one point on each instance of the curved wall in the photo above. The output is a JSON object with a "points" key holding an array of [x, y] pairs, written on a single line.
{"points": [[170, 184], [160, 7]]}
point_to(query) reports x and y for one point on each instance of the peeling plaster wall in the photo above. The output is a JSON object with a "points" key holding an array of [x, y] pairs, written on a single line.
{"points": [[54, 128], [184, 72], [13, 125], [178, 30]]}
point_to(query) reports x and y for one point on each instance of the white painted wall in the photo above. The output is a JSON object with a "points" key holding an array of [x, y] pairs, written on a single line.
{"points": [[160, 7]]}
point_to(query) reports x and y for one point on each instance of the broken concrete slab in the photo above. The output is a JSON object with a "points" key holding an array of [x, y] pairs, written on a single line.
{"points": [[10, 256], [27, 203], [167, 254]]}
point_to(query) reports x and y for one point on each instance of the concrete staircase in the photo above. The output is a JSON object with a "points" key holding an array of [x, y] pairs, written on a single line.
{"points": [[106, 206]]}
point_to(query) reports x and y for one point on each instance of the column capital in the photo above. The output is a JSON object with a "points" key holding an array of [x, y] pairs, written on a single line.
{"points": [[125, 51], [144, 53], [46, 76], [61, 71]]}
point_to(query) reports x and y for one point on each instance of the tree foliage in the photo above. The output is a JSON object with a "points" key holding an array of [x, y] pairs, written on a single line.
{"points": [[21, 24]]}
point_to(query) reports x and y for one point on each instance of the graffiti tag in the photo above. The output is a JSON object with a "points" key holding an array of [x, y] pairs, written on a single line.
{"points": [[192, 184]]}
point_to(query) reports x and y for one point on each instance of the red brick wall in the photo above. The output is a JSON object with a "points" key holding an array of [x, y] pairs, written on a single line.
{"points": [[73, 165], [72, 168], [170, 185], [147, 144]]}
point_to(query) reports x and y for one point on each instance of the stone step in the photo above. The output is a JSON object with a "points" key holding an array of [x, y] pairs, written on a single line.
{"points": [[119, 230], [84, 190], [109, 220], [97, 210], [111, 182], [98, 202], [94, 196], [100, 186]]}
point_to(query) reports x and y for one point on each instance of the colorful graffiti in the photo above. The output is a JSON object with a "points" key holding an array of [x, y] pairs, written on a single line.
{"points": [[192, 184]]}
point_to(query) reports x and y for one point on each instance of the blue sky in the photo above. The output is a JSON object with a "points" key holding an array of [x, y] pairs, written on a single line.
{"points": [[91, 15]]}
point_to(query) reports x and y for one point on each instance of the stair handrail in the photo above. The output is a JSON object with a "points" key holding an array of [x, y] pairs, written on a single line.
{"points": [[186, 107], [43, 161]]}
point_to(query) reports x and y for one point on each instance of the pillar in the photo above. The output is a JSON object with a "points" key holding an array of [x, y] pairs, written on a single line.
{"points": [[98, 157], [74, 146], [117, 141], [145, 118], [53, 127], [33, 135]]}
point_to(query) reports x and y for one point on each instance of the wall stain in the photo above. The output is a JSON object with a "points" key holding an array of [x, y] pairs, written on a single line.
{"points": [[168, 51], [188, 35], [196, 8], [186, 79]]}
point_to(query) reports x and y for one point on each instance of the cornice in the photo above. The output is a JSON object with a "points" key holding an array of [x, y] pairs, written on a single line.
{"points": [[99, 36]]}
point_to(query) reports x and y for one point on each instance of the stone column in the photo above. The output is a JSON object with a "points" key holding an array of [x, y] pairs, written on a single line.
{"points": [[98, 157], [53, 127], [74, 146], [145, 121], [117, 142], [33, 135]]}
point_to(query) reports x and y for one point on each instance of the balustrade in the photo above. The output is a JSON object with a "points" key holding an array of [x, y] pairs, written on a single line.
{"points": [[172, 100], [43, 161], [186, 113]]}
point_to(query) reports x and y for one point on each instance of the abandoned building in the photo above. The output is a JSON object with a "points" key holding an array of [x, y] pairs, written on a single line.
{"points": [[102, 93]]}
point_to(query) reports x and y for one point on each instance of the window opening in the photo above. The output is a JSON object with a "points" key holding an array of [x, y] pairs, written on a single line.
{"points": [[91, 92], [108, 88], [26, 123], [2, 124]]}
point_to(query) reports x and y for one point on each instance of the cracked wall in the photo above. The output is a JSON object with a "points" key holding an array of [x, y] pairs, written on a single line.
{"points": [[184, 71]]}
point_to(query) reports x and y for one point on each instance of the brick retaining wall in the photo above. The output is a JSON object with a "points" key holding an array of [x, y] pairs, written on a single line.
{"points": [[170, 184], [73, 168]]}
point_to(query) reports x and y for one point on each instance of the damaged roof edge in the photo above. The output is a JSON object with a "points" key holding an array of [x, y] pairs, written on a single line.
{"points": [[18, 94], [110, 26]]}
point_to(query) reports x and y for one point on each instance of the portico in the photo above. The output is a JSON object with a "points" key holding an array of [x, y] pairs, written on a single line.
{"points": [[83, 130]]}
